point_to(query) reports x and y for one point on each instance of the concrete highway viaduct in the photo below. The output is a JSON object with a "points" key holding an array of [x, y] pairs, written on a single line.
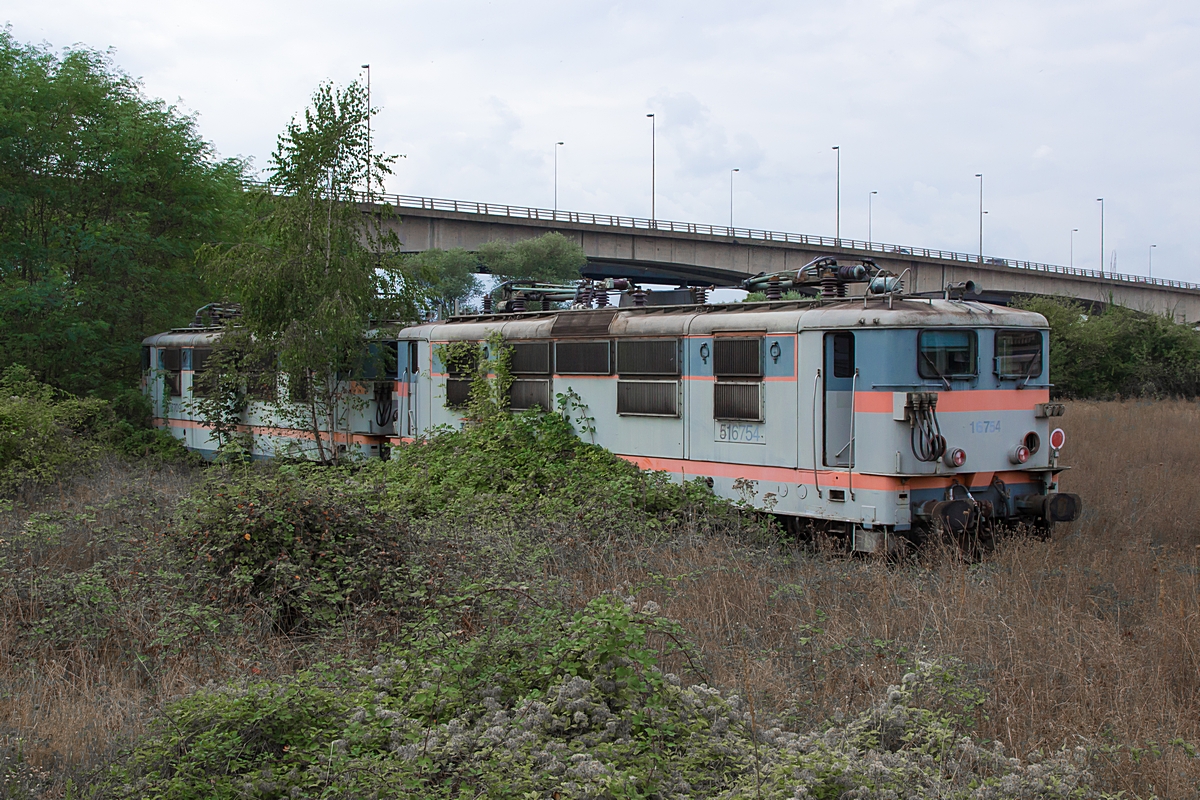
{"points": [[662, 251]]}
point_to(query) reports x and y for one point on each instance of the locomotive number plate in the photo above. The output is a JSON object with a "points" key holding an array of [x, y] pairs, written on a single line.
{"points": [[740, 432]]}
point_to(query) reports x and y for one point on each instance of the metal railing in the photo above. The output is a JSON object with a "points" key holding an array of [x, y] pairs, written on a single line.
{"points": [[753, 234]]}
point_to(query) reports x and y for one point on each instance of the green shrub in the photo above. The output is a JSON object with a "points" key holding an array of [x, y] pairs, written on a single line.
{"points": [[46, 433], [43, 431]]}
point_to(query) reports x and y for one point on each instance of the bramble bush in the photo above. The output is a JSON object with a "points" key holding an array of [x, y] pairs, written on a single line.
{"points": [[295, 542]]}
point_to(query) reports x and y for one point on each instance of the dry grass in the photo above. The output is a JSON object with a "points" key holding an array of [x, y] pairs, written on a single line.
{"points": [[59, 710], [1092, 637]]}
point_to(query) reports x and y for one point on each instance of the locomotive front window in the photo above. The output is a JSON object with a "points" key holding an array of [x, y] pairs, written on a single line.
{"points": [[947, 354], [1019, 354]]}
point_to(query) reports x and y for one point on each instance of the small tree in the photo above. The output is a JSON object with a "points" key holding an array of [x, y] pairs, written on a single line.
{"points": [[447, 276], [552, 258], [319, 268]]}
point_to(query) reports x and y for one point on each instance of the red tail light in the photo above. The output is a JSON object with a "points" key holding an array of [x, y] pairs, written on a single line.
{"points": [[955, 458], [1019, 454]]}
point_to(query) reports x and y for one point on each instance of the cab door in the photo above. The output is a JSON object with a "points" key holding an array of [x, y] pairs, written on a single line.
{"points": [[839, 380], [408, 370]]}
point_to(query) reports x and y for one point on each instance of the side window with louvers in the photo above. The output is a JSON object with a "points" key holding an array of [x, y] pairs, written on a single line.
{"points": [[648, 357], [737, 357], [648, 398], [737, 365], [201, 379], [526, 393], [653, 366], [583, 358], [529, 358], [461, 359]]}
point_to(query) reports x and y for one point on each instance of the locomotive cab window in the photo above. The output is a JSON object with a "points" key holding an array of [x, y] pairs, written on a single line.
{"points": [[947, 354], [843, 355], [171, 362], [1018, 354]]}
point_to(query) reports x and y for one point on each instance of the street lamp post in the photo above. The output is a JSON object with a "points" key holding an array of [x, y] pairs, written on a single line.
{"points": [[735, 169], [367, 67], [870, 197], [981, 213], [838, 205], [1150, 260], [1073, 232], [1100, 200], [556, 146], [652, 158]]}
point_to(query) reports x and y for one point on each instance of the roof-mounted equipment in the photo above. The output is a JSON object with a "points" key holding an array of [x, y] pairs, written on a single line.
{"points": [[824, 275]]}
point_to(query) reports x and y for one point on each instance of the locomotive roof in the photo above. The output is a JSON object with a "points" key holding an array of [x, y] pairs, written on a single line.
{"points": [[702, 320], [184, 337]]}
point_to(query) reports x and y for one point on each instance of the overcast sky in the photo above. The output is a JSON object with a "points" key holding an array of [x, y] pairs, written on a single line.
{"points": [[1056, 103]]}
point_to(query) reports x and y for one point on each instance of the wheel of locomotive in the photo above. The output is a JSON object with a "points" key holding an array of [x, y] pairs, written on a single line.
{"points": [[798, 529]]}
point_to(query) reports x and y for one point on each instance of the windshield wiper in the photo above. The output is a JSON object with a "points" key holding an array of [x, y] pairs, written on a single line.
{"points": [[1029, 372], [932, 365]]}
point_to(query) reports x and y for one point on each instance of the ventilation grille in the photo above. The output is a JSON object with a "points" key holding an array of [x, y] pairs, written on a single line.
{"points": [[583, 323], [299, 387], [200, 358], [530, 358], [458, 392], [583, 358], [653, 398], [461, 361], [261, 386], [202, 381], [737, 401], [648, 357], [170, 358], [526, 394], [737, 358]]}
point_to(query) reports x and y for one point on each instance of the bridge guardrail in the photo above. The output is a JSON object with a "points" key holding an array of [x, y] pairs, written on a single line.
{"points": [[641, 223]]}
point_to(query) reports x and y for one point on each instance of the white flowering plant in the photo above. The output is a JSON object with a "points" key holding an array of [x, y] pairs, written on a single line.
{"points": [[563, 704]]}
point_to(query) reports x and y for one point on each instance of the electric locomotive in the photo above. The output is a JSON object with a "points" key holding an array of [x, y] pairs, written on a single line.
{"points": [[874, 416], [851, 408]]}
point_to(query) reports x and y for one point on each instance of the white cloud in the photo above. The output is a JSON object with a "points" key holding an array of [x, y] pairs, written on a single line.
{"points": [[919, 94]]}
